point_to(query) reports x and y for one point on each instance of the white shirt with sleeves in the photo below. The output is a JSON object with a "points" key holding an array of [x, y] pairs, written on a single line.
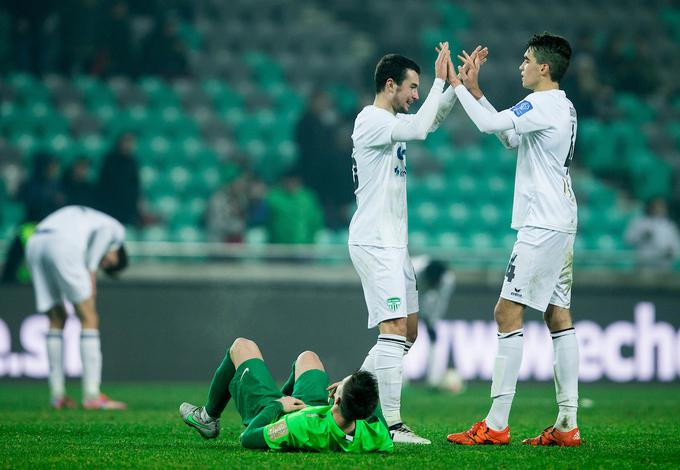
{"points": [[379, 167], [88, 233], [546, 124]]}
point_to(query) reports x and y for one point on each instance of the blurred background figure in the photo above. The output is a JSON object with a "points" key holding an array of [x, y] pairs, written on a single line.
{"points": [[655, 237], [234, 207], [42, 193], [293, 212], [118, 187], [436, 284], [323, 164], [76, 183]]}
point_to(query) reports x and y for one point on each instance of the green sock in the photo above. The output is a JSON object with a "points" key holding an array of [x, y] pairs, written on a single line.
{"points": [[218, 395], [287, 388]]}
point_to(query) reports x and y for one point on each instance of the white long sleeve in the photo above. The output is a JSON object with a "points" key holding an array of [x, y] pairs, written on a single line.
{"points": [[446, 103], [486, 121], [509, 139], [100, 243], [417, 127]]}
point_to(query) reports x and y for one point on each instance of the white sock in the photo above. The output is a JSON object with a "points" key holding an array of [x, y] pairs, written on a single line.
{"points": [[565, 367], [407, 347], [91, 355], [389, 355], [506, 371], [55, 359], [369, 361]]}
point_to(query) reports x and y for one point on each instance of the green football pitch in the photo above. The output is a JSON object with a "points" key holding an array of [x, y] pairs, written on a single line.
{"points": [[622, 426]]}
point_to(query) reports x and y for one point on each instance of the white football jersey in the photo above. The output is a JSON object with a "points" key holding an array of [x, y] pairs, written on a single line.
{"points": [[87, 232], [379, 171], [546, 124]]}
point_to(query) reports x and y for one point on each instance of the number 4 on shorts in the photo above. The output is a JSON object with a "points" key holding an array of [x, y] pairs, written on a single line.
{"points": [[510, 273]]}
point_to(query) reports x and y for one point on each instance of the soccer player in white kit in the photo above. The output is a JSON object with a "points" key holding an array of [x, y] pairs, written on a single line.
{"points": [[64, 254], [378, 230], [543, 128]]}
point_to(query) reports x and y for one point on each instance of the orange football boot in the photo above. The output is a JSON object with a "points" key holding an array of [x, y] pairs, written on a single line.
{"points": [[481, 434], [552, 437]]}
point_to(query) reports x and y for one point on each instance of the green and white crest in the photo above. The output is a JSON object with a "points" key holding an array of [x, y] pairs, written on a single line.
{"points": [[393, 303]]}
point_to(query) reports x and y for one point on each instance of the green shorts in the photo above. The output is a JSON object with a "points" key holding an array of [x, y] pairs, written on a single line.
{"points": [[253, 387]]}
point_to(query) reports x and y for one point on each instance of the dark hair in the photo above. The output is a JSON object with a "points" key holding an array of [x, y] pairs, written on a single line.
{"points": [[359, 396], [113, 271], [552, 50], [434, 272], [393, 66]]}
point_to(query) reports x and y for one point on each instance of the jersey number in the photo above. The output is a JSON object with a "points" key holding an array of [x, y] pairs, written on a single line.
{"points": [[570, 156], [510, 272]]}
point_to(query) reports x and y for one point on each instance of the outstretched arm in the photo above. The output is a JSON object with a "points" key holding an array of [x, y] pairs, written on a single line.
{"points": [[418, 126], [470, 78]]}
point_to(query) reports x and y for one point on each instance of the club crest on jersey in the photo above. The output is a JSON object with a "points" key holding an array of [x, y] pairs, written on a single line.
{"points": [[401, 152], [393, 303], [522, 107]]}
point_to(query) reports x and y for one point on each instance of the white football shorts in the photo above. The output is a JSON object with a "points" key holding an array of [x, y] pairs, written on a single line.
{"points": [[58, 271], [540, 271], [389, 282]]}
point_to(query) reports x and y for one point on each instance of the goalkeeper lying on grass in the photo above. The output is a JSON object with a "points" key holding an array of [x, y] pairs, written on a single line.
{"points": [[299, 415]]}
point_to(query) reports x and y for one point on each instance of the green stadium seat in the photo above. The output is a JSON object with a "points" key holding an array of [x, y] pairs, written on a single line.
{"points": [[157, 233], [222, 96], [158, 93]]}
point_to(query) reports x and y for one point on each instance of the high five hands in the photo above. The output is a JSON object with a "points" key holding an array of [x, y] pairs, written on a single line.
{"points": [[468, 72]]}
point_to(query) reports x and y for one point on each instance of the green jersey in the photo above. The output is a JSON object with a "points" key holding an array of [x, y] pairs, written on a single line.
{"points": [[314, 429]]}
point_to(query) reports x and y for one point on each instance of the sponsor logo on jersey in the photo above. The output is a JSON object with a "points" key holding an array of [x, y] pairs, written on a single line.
{"points": [[393, 303], [400, 171], [522, 107], [277, 430], [401, 152]]}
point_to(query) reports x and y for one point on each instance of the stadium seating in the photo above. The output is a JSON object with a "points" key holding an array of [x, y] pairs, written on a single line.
{"points": [[246, 99]]}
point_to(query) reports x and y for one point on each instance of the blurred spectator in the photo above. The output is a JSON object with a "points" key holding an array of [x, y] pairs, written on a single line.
{"points": [[78, 189], [164, 51], [234, 207], [42, 193], [655, 237], [324, 158], [14, 269], [116, 53], [293, 212], [118, 187], [585, 89]]}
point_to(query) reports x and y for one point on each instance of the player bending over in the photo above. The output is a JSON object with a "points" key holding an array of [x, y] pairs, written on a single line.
{"points": [[543, 128], [298, 416]]}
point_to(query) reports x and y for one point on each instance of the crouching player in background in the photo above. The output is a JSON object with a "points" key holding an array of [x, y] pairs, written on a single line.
{"points": [[299, 415], [64, 254]]}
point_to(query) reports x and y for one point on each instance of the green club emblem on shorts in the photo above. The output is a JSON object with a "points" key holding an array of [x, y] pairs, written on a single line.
{"points": [[393, 303]]}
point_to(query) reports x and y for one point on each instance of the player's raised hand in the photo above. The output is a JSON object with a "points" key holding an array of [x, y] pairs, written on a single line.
{"points": [[441, 65], [291, 404], [469, 70]]}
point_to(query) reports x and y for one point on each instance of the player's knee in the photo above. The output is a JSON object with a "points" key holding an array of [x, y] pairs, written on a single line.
{"points": [[508, 315], [308, 358], [241, 345]]}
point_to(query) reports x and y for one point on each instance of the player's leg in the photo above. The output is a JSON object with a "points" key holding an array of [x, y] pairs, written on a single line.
{"points": [[218, 393], [48, 299], [310, 380], [558, 319], [55, 358]]}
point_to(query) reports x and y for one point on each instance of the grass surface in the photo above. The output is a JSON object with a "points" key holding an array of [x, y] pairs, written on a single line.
{"points": [[627, 426]]}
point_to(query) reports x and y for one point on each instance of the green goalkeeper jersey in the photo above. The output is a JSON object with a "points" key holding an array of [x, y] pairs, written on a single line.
{"points": [[314, 429]]}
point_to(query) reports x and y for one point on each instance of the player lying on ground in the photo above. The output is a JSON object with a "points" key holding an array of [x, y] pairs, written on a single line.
{"points": [[299, 415]]}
